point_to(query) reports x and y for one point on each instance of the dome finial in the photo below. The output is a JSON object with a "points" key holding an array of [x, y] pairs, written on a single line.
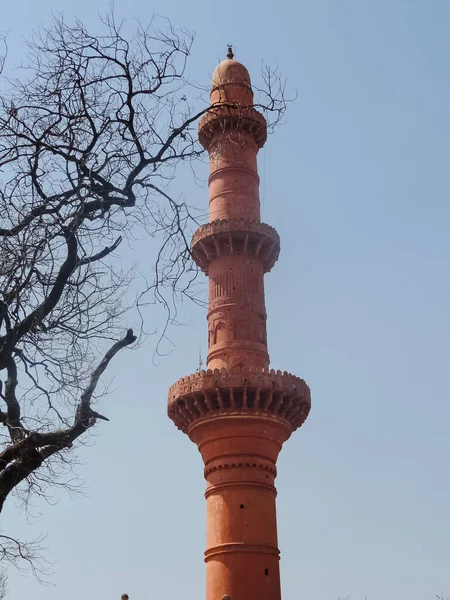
{"points": [[230, 51]]}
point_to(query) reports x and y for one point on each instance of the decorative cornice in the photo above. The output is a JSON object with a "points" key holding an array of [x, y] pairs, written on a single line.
{"points": [[225, 119], [239, 391], [225, 237]]}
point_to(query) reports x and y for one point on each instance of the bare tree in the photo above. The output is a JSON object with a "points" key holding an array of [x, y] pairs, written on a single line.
{"points": [[90, 136], [3, 584]]}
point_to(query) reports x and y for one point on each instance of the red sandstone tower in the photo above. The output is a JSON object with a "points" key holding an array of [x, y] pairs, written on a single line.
{"points": [[239, 412]]}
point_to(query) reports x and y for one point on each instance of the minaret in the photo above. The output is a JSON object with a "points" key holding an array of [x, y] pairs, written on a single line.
{"points": [[238, 412]]}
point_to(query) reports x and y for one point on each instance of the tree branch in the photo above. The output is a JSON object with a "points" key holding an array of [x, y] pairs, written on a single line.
{"points": [[26, 456]]}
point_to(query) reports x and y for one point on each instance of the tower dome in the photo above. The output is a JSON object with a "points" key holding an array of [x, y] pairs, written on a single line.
{"points": [[231, 82], [230, 71]]}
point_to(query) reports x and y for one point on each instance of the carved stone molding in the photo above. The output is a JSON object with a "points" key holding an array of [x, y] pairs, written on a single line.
{"points": [[264, 465], [240, 548]]}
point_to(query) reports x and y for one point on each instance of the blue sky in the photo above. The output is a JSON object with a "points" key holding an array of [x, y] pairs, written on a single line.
{"points": [[357, 185]]}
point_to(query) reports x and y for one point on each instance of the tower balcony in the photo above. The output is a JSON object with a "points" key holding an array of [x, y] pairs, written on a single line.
{"points": [[224, 118], [239, 391], [235, 237]]}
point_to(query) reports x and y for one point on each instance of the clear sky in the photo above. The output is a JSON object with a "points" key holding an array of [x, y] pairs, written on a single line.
{"points": [[357, 185]]}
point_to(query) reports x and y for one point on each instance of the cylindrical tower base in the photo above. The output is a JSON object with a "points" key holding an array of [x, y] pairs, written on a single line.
{"points": [[243, 576], [240, 452]]}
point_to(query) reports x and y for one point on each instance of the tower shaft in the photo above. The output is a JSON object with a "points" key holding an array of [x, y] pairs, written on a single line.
{"points": [[238, 413]]}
